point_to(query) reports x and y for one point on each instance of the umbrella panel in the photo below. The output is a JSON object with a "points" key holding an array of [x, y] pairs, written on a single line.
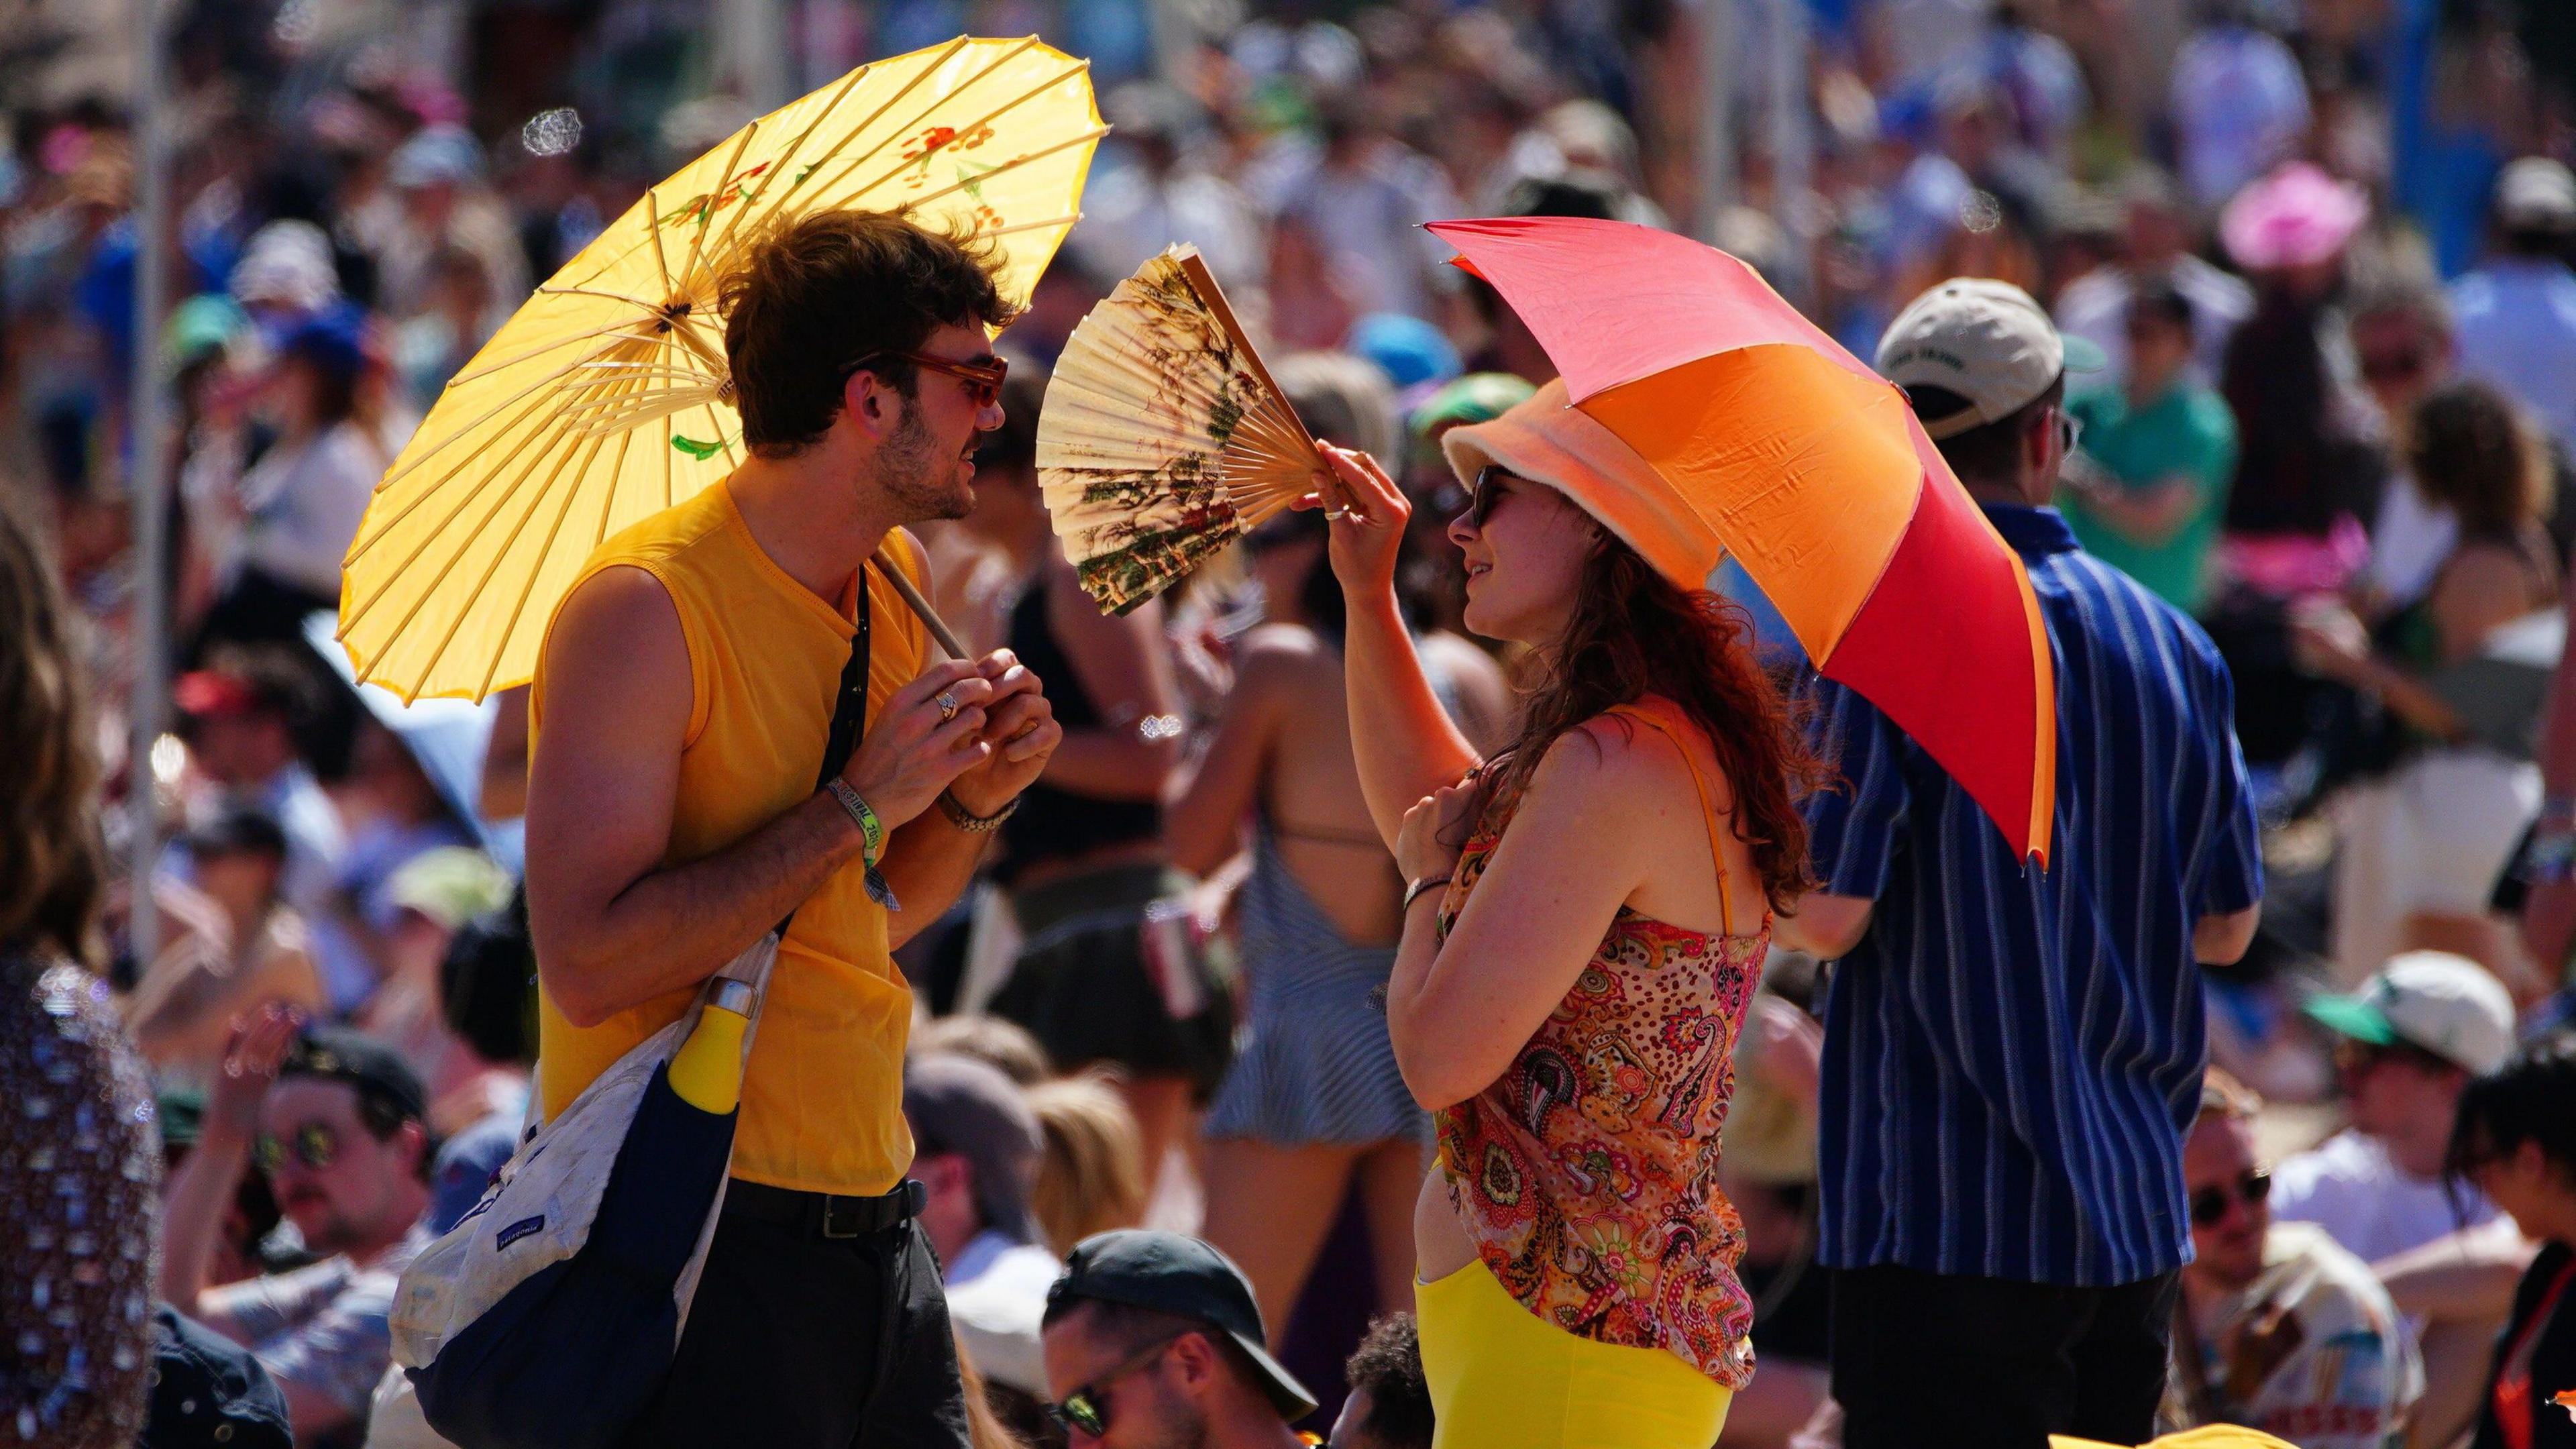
{"points": [[1798, 466]]}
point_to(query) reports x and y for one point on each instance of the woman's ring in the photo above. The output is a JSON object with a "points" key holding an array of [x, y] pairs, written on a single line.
{"points": [[1338, 514], [947, 703]]}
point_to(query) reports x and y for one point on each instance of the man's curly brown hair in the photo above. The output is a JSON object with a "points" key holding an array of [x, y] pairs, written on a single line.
{"points": [[815, 295]]}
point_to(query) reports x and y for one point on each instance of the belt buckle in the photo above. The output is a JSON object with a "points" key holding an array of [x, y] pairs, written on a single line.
{"points": [[842, 1217]]}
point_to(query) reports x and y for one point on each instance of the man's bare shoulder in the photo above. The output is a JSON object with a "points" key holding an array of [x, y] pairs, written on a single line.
{"points": [[615, 640], [622, 605]]}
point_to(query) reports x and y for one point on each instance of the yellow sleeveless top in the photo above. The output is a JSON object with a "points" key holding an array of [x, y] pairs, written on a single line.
{"points": [[822, 1100]]}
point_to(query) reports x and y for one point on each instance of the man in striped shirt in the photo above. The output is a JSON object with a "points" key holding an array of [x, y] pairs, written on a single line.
{"points": [[2012, 1055]]}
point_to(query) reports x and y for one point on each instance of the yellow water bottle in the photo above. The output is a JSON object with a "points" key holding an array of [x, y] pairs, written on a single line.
{"points": [[707, 1069]]}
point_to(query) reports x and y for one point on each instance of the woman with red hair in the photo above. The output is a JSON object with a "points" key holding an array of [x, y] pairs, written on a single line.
{"points": [[1585, 920]]}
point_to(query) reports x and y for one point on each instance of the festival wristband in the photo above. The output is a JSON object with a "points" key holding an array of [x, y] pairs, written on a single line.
{"points": [[872, 836], [871, 830], [1421, 888]]}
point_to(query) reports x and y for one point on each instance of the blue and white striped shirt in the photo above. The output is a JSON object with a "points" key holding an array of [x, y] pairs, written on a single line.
{"points": [[2012, 1057]]}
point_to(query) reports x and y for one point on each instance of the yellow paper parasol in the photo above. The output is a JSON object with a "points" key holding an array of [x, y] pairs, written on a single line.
{"points": [[605, 399]]}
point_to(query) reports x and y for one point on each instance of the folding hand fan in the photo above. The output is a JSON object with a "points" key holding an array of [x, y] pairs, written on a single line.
{"points": [[1163, 437]]}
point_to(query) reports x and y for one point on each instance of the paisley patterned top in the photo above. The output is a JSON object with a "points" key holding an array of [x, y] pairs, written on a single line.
{"points": [[1587, 1173]]}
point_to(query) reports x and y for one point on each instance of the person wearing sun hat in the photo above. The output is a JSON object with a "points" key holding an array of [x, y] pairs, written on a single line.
{"points": [[1963, 1107], [2406, 1045], [1566, 902], [1546, 440]]}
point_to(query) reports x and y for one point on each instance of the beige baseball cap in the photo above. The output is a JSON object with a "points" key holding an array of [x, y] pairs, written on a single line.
{"points": [[2537, 194], [2433, 1001], [1988, 342]]}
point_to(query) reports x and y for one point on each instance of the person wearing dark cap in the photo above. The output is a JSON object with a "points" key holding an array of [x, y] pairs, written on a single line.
{"points": [[334, 1120], [975, 1146], [208, 1390], [1153, 1341]]}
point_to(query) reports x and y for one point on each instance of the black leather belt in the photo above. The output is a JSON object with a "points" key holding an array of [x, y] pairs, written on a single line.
{"points": [[824, 1215]]}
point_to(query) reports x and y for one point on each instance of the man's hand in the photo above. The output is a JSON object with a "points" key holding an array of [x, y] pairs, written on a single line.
{"points": [[932, 731], [1020, 734], [259, 1044]]}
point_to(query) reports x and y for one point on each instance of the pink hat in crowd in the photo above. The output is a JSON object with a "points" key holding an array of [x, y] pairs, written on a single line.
{"points": [[2293, 217]]}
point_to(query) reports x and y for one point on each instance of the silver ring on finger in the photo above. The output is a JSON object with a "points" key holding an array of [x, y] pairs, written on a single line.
{"points": [[947, 702]]}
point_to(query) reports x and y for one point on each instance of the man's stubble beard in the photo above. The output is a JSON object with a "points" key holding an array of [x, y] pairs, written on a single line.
{"points": [[917, 476]]}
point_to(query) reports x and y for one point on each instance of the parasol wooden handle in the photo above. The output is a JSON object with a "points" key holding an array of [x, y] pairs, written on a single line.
{"points": [[938, 627]]}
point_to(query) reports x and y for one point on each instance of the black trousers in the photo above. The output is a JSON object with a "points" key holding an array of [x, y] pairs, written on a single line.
{"points": [[1922, 1361], [798, 1341]]}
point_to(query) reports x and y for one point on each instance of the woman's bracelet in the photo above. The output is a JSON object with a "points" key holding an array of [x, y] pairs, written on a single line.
{"points": [[1421, 888]]}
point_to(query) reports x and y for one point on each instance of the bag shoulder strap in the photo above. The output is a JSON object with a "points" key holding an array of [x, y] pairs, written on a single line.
{"points": [[849, 708]]}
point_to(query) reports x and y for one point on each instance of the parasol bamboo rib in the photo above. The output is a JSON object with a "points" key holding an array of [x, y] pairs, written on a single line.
{"points": [[563, 510], [367, 538], [535, 500], [947, 53], [707, 208], [899, 132], [968, 129], [1084, 139], [457, 548]]}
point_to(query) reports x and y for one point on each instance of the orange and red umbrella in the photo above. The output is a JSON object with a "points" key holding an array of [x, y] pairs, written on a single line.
{"points": [[1813, 472]]}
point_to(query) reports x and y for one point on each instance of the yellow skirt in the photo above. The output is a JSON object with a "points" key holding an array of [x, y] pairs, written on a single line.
{"points": [[1503, 1378]]}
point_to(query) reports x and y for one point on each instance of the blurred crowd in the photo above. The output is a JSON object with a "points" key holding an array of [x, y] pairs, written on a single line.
{"points": [[2325, 245]]}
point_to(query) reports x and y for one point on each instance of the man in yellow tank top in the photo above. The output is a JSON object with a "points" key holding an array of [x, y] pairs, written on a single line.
{"points": [[678, 721]]}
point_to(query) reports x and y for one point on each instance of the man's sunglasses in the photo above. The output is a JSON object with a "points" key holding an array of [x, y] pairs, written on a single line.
{"points": [[983, 379], [1087, 1408], [2211, 1203], [2070, 431], [317, 1146]]}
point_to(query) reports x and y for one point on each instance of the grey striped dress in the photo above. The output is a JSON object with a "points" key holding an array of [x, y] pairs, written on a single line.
{"points": [[1314, 1064]]}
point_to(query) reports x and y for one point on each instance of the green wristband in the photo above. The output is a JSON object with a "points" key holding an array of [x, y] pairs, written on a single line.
{"points": [[872, 836], [871, 830]]}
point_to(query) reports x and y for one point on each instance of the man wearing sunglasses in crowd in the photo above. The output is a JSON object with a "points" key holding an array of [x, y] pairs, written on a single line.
{"points": [[678, 720], [2277, 1328], [1153, 1341], [335, 1122]]}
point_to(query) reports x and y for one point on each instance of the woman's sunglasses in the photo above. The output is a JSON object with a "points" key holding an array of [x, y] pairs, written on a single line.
{"points": [[317, 1146], [983, 379], [1487, 491], [1087, 1408], [2210, 1204]]}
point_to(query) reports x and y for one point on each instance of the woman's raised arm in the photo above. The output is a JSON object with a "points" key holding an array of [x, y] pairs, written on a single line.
{"points": [[1404, 742]]}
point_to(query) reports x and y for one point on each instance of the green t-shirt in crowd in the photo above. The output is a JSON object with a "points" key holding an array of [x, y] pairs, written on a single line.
{"points": [[2186, 432]]}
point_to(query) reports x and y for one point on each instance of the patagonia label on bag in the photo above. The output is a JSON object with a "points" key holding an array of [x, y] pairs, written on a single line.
{"points": [[518, 1230]]}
